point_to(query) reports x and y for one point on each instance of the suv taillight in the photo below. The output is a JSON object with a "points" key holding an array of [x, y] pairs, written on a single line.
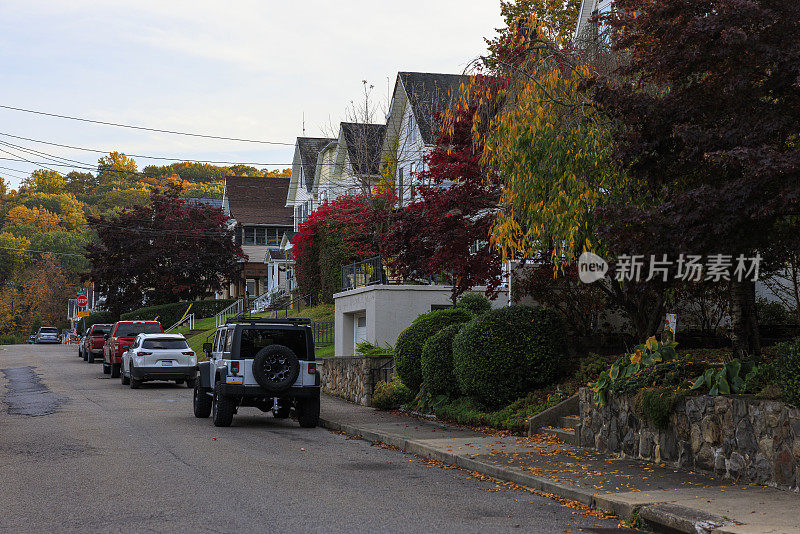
{"points": [[188, 353], [312, 368], [143, 353], [235, 367]]}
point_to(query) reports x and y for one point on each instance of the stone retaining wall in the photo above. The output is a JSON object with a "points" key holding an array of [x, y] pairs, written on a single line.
{"points": [[735, 436], [352, 377]]}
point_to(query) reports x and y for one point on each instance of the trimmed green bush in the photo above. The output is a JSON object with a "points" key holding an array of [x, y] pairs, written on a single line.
{"points": [[787, 373], [11, 339], [408, 349], [475, 302], [391, 395], [437, 362], [169, 314], [506, 353]]}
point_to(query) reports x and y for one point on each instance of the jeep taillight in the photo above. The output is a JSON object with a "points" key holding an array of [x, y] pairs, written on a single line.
{"points": [[312, 368], [235, 367]]}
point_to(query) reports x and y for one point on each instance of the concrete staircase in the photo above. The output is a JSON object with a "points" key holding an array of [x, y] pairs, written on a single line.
{"points": [[567, 429], [561, 421]]}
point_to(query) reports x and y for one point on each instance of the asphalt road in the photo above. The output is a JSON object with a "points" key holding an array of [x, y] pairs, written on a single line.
{"points": [[81, 453]]}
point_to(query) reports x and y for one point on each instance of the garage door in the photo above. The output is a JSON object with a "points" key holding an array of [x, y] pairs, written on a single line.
{"points": [[360, 329]]}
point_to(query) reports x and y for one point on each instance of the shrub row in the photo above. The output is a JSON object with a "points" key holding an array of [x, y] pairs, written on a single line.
{"points": [[168, 314], [493, 356]]}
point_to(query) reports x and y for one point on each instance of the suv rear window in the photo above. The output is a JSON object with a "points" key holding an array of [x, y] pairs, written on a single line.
{"points": [[133, 329], [254, 339], [46, 330], [165, 344], [100, 330]]}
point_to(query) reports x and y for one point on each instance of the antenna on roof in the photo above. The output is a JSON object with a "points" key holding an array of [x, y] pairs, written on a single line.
{"points": [[304, 124]]}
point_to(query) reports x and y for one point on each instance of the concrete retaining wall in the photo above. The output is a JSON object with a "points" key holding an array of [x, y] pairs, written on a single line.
{"points": [[352, 377], [735, 436]]}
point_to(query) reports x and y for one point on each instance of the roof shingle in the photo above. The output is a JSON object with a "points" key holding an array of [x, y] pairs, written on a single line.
{"points": [[428, 94], [309, 148], [258, 200], [364, 145]]}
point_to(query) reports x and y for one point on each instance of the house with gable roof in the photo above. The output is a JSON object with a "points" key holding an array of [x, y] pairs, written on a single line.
{"points": [[411, 125], [256, 212]]}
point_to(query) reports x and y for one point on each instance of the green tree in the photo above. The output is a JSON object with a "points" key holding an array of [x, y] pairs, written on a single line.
{"points": [[44, 181], [116, 168]]}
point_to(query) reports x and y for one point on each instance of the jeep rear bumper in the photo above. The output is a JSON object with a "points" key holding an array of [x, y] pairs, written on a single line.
{"points": [[239, 390], [163, 373]]}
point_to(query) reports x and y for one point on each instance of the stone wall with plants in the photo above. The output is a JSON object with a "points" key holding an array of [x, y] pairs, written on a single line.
{"points": [[351, 378], [736, 436], [736, 419]]}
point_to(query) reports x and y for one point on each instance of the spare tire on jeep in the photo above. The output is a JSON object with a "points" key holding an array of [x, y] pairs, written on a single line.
{"points": [[275, 368]]}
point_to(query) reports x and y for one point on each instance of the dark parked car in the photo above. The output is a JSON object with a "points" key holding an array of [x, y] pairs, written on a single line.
{"points": [[91, 346]]}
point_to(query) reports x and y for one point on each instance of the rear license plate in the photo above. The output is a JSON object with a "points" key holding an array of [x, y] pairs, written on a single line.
{"points": [[167, 363], [235, 379]]}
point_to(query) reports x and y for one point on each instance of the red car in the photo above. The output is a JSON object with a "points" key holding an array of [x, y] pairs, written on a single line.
{"points": [[91, 346], [121, 336]]}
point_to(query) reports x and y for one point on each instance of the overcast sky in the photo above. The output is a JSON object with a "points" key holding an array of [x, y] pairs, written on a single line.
{"points": [[235, 69]]}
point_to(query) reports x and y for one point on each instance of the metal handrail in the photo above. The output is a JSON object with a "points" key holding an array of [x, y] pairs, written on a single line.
{"points": [[189, 318]]}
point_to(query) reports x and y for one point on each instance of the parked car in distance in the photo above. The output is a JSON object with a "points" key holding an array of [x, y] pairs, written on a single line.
{"points": [[32, 339], [91, 346], [47, 334], [162, 357], [120, 338], [81, 339]]}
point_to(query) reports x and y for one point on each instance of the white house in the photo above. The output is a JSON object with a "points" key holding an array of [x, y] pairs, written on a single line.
{"points": [[589, 8], [410, 125]]}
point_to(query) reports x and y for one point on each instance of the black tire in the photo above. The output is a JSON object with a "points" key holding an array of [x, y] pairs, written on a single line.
{"points": [[80, 352], [90, 357], [179, 381], [115, 367], [222, 408], [85, 356], [135, 382], [202, 403], [106, 368], [307, 412], [124, 379], [275, 368], [191, 382]]}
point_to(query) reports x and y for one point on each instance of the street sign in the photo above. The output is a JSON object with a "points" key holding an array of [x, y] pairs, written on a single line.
{"points": [[83, 301], [82, 291], [84, 313]]}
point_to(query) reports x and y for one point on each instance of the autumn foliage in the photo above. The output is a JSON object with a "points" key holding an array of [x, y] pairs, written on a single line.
{"points": [[335, 234]]}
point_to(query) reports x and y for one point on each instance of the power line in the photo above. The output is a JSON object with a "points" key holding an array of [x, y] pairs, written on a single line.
{"points": [[43, 251], [142, 156], [145, 128]]}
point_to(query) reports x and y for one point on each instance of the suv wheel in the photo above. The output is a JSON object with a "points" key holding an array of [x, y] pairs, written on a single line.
{"points": [[115, 370], [90, 357], [222, 409], [85, 356], [275, 368], [191, 382], [106, 368], [202, 402], [307, 412], [124, 379]]}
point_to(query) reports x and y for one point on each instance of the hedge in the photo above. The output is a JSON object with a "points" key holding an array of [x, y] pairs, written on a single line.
{"points": [[169, 314], [509, 352], [408, 349], [437, 362], [475, 302], [788, 371]]}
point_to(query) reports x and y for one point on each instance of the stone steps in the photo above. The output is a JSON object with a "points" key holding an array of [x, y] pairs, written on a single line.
{"points": [[567, 435]]}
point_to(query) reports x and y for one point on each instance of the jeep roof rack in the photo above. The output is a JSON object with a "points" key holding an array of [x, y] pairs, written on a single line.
{"points": [[265, 320]]}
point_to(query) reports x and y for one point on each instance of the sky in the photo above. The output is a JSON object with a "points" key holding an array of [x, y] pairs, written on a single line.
{"points": [[238, 68]]}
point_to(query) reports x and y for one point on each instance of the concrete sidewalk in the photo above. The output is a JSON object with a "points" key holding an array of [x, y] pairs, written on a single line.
{"points": [[662, 498]]}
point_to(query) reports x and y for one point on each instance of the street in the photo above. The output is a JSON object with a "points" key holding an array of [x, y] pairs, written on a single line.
{"points": [[104, 458]]}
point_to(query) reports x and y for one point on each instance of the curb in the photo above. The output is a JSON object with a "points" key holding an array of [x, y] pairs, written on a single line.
{"points": [[659, 517]]}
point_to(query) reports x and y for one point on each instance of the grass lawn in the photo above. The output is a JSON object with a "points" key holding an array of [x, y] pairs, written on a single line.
{"points": [[322, 312]]}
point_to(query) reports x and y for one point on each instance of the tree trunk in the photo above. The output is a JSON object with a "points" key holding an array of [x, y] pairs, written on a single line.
{"points": [[744, 323]]}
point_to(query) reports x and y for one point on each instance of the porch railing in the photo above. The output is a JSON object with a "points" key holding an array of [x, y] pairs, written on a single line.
{"points": [[372, 271]]}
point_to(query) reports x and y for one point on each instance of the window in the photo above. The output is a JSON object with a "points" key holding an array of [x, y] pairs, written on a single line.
{"points": [[400, 184], [134, 329], [167, 343], [218, 343], [229, 341], [250, 287], [249, 236], [261, 238], [412, 179], [255, 339]]}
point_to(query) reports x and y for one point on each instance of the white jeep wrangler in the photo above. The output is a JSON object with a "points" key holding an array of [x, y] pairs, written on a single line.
{"points": [[264, 363]]}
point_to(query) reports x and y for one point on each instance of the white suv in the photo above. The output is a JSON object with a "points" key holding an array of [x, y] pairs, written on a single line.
{"points": [[159, 357], [264, 363]]}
